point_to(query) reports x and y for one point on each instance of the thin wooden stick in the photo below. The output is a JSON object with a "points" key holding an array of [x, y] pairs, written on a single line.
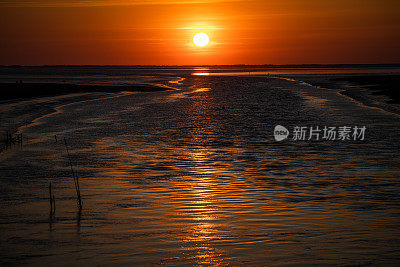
{"points": [[52, 201], [74, 176]]}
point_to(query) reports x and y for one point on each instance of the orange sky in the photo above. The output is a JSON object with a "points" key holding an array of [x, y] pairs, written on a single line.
{"points": [[130, 32]]}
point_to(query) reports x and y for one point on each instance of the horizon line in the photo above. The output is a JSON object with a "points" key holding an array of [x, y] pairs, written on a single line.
{"points": [[211, 65]]}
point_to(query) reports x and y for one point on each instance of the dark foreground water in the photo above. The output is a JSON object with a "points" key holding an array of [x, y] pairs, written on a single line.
{"points": [[195, 176]]}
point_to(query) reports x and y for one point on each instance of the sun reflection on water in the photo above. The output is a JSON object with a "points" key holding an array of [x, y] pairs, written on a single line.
{"points": [[206, 223]]}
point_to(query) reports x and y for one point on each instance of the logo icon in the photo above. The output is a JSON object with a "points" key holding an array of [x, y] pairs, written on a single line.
{"points": [[280, 133]]}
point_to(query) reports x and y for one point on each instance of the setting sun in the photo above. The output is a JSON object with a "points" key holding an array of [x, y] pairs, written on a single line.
{"points": [[201, 39]]}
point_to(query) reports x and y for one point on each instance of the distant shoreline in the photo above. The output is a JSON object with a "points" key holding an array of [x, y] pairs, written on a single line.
{"points": [[344, 65], [21, 90]]}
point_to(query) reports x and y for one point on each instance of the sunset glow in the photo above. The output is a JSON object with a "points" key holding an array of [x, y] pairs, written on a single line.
{"points": [[161, 32]]}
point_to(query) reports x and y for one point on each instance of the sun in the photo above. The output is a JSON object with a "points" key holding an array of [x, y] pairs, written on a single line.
{"points": [[201, 39]]}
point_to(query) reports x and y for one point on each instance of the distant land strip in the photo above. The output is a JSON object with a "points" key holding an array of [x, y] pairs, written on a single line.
{"points": [[22, 90], [372, 65]]}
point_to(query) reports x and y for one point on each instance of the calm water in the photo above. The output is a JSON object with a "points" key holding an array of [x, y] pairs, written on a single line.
{"points": [[194, 176]]}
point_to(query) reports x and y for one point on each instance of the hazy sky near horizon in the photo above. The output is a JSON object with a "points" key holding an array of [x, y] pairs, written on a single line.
{"points": [[130, 32]]}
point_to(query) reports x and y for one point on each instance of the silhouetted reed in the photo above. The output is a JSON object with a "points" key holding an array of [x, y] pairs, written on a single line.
{"points": [[75, 177], [52, 202], [12, 139]]}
